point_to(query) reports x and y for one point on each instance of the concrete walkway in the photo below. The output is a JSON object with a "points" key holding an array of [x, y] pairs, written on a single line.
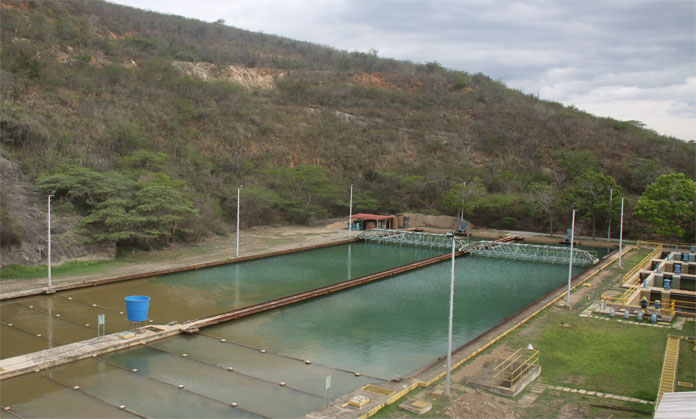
{"points": [[36, 361]]}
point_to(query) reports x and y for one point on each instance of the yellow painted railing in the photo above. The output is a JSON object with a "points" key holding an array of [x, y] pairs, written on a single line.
{"points": [[612, 297], [669, 367], [642, 263], [642, 244], [521, 360]]}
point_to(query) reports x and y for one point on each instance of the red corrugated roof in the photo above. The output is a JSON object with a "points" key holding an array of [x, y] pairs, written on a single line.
{"points": [[371, 217]]}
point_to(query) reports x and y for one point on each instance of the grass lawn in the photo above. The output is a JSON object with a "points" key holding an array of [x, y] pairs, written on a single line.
{"points": [[686, 371], [600, 355], [551, 404]]}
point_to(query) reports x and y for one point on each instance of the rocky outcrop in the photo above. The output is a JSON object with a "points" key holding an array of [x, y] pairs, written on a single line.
{"points": [[245, 76], [26, 210]]}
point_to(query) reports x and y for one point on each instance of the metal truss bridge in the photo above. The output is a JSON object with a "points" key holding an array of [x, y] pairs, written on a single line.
{"points": [[502, 248]]}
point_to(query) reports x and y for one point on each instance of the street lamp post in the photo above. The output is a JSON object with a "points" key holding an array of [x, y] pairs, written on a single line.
{"points": [[611, 195], [451, 316], [350, 212], [239, 190], [621, 234], [49, 237], [570, 265]]}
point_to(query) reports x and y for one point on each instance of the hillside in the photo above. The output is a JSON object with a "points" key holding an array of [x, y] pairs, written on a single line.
{"points": [[171, 115]]}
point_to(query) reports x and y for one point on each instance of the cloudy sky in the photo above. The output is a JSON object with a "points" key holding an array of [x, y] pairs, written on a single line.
{"points": [[628, 59]]}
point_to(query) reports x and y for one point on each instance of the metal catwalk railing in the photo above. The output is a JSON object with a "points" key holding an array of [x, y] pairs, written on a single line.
{"points": [[531, 252], [412, 237], [516, 251]]}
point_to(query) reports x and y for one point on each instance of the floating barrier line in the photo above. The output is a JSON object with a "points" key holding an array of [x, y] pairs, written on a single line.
{"points": [[94, 396], [90, 304], [53, 316], [11, 412], [210, 364], [176, 387], [70, 348], [296, 359], [26, 331]]}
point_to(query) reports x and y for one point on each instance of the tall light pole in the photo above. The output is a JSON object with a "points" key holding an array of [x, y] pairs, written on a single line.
{"points": [[239, 190], [621, 234], [451, 316], [611, 195], [49, 237], [570, 266], [350, 211]]}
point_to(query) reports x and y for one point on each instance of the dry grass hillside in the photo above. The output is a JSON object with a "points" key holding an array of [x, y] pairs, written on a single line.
{"points": [[95, 94]]}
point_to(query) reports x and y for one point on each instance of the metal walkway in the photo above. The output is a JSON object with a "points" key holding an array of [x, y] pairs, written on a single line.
{"points": [[411, 237], [532, 252], [502, 248]]}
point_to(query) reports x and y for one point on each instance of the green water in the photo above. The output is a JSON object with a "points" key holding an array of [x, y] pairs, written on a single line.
{"points": [[45, 321], [397, 326], [388, 328]]}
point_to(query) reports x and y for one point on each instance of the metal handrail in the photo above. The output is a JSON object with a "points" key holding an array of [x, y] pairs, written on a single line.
{"points": [[640, 264], [621, 299], [525, 365], [651, 244]]}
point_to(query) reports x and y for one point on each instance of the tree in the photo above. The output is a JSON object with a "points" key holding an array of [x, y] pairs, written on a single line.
{"points": [[84, 187], [466, 197], [589, 192], [305, 192], [151, 216], [640, 173], [668, 205], [572, 163], [545, 199]]}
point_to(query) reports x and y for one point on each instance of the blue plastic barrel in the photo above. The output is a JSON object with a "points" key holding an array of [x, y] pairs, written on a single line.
{"points": [[137, 307]]}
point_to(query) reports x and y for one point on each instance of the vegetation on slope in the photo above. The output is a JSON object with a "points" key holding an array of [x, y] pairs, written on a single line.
{"points": [[93, 87]]}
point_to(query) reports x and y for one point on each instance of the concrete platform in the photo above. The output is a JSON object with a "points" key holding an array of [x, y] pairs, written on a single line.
{"points": [[22, 364]]}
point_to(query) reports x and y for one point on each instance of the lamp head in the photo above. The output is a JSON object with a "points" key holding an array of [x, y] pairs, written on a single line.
{"points": [[449, 234]]}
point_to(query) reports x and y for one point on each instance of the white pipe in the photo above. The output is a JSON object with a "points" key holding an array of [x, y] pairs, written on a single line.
{"points": [[570, 266], [611, 195], [451, 316], [49, 240], [621, 234], [350, 212], [238, 195]]}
